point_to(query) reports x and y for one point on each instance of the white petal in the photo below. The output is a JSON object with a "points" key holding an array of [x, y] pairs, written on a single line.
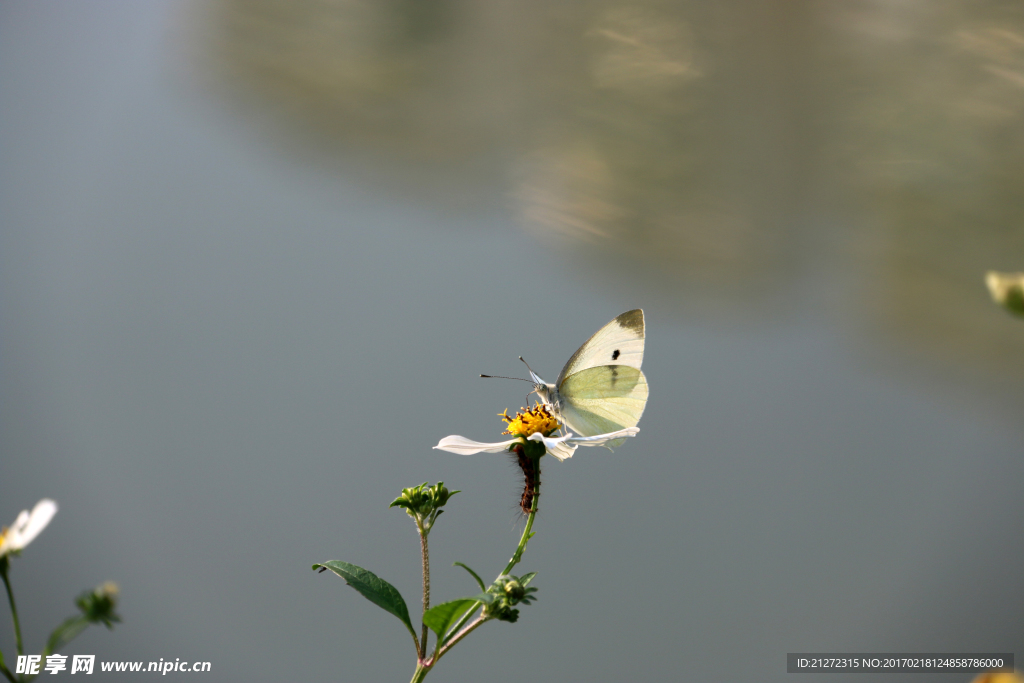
{"points": [[41, 515], [28, 525], [556, 446], [561, 451], [464, 446], [563, 447], [11, 540], [602, 439], [20, 523]]}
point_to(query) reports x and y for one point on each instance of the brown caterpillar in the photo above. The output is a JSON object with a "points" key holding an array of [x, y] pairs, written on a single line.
{"points": [[529, 467]]}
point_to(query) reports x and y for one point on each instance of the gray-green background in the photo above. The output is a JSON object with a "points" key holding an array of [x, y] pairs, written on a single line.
{"points": [[253, 256]]}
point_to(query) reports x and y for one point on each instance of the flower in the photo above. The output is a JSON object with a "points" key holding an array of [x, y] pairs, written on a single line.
{"points": [[536, 425], [26, 527], [536, 420]]}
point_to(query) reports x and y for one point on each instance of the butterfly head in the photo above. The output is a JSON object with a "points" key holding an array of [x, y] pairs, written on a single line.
{"points": [[547, 393]]}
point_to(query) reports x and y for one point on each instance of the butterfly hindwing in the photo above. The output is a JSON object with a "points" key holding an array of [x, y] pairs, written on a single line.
{"points": [[620, 342], [603, 399]]}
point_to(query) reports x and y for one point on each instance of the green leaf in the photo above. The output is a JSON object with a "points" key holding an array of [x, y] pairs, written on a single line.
{"points": [[525, 579], [475, 575], [440, 617], [375, 589]]}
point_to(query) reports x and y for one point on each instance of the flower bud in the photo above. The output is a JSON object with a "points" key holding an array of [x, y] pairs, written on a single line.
{"points": [[423, 503], [514, 590], [508, 591], [98, 605]]}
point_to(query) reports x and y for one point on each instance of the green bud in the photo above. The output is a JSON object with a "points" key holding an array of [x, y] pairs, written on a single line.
{"points": [[411, 499], [505, 592], [508, 614], [514, 590], [423, 503], [98, 605]]}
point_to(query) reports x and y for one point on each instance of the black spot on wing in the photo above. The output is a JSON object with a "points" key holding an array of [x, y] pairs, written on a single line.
{"points": [[615, 354]]}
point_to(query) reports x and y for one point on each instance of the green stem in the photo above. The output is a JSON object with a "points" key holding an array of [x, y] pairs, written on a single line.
{"points": [[426, 587], [70, 629], [65, 633], [5, 671], [4, 566], [462, 634], [516, 557], [420, 673]]}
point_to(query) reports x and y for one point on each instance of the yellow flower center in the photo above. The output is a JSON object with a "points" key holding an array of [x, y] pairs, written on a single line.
{"points": [[533, 420]]}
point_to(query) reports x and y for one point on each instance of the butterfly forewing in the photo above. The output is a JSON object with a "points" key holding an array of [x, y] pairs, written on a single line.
{"points": [[620, 342]]}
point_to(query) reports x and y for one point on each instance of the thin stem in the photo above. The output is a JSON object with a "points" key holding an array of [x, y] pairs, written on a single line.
{"points": [[65, 633], [518, 554], [5, 671], [4, 566], [462, 634], [426, 585]]}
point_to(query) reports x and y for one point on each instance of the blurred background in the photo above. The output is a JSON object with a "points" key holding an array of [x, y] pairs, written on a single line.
{"points": [[254, 254]]}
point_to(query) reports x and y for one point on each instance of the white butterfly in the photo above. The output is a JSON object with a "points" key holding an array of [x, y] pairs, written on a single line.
{"points": [[601, 389]]}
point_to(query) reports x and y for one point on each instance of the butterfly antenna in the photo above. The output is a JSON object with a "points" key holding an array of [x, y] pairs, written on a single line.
{"points": [[502, 377], [533, 375]]}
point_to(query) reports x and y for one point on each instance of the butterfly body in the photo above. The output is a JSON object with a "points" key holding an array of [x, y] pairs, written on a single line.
{"points": [[601, 389]]}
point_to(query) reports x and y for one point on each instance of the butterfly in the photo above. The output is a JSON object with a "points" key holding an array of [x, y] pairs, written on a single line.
{"points": [[601, 388]]}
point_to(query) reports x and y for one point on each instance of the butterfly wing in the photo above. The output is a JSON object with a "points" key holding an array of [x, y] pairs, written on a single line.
{"points": [[603, 399], [620, 342]]}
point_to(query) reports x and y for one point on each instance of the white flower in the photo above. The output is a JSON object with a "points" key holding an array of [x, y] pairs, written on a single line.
{"points": [[560, 447], [27, 526]]}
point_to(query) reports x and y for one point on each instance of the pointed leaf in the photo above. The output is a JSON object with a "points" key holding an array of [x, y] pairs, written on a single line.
{"points": [[525, 579], [375, 589], [475, 575], [440, 617]]}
